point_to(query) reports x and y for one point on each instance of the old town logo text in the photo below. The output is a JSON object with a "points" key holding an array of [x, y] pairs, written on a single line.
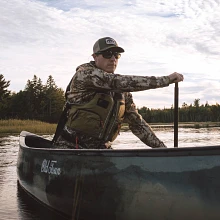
{"points": [[48, 166]]}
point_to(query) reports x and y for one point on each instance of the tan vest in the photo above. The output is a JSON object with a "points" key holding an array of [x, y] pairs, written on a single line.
{"points": [[100, 118]]}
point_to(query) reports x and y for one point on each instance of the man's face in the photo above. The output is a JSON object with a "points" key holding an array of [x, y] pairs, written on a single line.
{"points": [[107, 64]]}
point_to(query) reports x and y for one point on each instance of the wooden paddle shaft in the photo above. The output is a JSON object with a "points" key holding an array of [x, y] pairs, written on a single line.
{"points": [[176, 114]]}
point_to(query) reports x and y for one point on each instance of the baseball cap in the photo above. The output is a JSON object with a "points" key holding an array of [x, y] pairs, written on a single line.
{"points": [[106, 43]]}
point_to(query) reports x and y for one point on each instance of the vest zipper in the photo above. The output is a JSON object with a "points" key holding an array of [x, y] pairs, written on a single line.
{"points": [[108, 132], [105, 124]]}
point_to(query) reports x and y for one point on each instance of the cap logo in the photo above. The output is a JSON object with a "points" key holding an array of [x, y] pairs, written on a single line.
{"points": [[110, 41]]}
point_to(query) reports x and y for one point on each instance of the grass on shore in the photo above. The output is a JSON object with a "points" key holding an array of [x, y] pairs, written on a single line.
{"points": [[14, 126]]}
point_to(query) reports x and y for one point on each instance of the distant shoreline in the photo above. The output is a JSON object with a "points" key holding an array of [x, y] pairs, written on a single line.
{"points": [[189, 124], [15, 126], [196, 125]]}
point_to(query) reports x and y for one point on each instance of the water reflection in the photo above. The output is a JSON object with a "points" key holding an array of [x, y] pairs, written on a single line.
{"points": [[8, 196], [187, 137], [8, 146], [30, 209]]}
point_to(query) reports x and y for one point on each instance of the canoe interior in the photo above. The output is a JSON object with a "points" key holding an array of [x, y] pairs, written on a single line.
{"points": [[34, 141]]}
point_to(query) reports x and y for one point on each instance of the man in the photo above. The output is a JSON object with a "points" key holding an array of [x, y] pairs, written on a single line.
{"points": [[98, 101]]}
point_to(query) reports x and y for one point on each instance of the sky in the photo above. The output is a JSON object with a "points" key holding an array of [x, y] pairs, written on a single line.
{"points": [[53, 37]]}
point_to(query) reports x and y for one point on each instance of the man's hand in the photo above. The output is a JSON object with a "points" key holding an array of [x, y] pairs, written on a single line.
{"points": [[175, 77]]}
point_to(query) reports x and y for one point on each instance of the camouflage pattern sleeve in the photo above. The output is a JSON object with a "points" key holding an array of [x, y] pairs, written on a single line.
{"points": [[88, 77], [139, 126]]}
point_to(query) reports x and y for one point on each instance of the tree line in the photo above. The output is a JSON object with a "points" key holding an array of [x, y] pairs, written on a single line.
{"points": [[187, 113], [45, 102], [36, 102]]}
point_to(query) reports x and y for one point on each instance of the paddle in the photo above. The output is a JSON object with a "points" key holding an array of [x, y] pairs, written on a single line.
{"points": [[176, 115]]}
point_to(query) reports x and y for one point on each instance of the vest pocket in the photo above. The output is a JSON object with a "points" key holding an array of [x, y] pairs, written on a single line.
{"points": [[86, 121]]}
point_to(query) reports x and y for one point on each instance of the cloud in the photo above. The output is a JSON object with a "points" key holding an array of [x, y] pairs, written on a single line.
{"points": [[54, 37]]}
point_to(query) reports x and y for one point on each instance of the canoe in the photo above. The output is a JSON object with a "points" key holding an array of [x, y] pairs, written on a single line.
{"points": [[130, 184]]}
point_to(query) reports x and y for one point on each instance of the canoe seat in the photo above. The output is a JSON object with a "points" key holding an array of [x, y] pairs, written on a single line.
{"points": [[37, 142]]}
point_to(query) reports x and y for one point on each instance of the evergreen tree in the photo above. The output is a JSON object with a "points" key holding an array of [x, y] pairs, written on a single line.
{"points": [[18, 107], [54, 100], [34, 95], [4, 93], [4, 96]]}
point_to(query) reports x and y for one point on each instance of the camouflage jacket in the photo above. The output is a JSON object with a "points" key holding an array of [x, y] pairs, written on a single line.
{"points": [[88, 80]]}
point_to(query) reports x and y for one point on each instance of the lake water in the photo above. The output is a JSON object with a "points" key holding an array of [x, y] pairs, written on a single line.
{"points": [[15, 204]]}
